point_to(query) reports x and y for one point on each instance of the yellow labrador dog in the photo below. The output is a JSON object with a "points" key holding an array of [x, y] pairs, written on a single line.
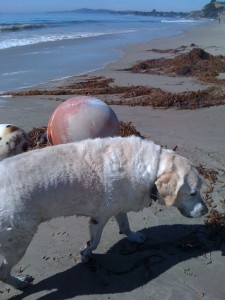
{"points": [[97, 178]]}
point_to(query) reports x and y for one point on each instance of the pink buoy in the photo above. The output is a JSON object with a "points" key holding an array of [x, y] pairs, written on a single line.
{"points": [[81, 118]]}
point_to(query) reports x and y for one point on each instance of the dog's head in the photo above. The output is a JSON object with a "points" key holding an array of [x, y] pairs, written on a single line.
{"points": [[13, 140], [179, 184]]}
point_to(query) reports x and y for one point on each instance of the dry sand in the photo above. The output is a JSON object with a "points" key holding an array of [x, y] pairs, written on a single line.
{"points": [[179, 260]]}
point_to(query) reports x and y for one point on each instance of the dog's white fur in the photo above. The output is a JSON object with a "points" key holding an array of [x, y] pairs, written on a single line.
{"points": [[97, 178]]}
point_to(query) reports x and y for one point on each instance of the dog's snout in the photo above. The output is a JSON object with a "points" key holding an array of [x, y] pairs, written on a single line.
{"points": [[198, 210]]}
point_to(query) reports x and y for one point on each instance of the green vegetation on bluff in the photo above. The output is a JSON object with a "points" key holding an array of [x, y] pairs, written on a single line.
{"points": [[214, 9]]}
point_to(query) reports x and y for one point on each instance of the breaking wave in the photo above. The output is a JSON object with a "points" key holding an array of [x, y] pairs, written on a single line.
{"points": [[9, 43], [179, 21], [17, 27]]}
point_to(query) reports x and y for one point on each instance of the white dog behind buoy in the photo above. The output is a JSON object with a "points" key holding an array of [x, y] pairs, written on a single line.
{"points": [[13, 140]]}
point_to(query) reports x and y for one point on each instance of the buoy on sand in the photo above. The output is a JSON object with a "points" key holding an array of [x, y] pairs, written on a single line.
{"points": [[80, 118]]}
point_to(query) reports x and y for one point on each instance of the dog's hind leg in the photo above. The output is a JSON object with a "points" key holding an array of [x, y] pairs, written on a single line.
{"points": [[19, 282], [96, 226], [123, 223], [14, 243]]}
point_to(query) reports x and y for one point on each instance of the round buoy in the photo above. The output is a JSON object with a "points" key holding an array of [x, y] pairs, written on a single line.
{"points": [[13, 140], [80, 118]]}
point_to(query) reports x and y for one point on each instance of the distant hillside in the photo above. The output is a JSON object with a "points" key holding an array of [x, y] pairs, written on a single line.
{"points": [[214, 9], [153, 13]]}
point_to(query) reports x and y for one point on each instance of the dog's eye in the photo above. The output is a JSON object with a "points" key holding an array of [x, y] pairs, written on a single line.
{"points": [[193, 193]]}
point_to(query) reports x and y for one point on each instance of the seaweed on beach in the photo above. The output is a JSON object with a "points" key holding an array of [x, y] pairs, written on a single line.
{"points": [[92, 86], [196, 62], [127, 129], [157, 98], [38, 138], [135, 95], [215, 220], [93, 82], [208, 174], [210, 177], [172, 50]]}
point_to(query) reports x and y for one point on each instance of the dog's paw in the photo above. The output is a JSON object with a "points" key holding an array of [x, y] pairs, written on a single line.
{"points": [[21, 282], [137, 237], [85, 258], [85, 255]]}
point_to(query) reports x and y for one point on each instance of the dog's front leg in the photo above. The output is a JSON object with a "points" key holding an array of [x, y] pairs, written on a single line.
{"points": [[123, 223], [96, 226]]}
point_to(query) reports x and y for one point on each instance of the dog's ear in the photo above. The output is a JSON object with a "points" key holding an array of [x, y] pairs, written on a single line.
{"points": [[168, 185]]}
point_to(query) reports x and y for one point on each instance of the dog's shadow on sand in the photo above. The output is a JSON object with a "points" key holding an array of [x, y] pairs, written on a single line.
{"points": [[127, 266]]}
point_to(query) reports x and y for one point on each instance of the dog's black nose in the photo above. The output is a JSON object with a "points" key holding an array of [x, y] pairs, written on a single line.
{"points": [[204, 210]]}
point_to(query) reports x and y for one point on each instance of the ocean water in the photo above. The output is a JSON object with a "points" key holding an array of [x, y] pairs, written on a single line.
{"points": [[40, 47]]}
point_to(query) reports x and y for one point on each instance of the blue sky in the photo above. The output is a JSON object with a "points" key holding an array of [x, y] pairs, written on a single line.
{"points": [[146, 5]]}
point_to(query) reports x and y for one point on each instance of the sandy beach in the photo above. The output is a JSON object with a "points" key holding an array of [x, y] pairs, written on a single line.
{"points": [[182, 258]]}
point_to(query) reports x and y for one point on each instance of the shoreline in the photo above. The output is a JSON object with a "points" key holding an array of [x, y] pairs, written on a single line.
{"points": [[140, 51], [179, 261], [71, 57], [122, 78], [130, 54]]}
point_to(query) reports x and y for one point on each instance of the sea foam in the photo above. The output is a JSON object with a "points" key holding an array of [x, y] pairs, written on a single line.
{"points": [[17, 42]]}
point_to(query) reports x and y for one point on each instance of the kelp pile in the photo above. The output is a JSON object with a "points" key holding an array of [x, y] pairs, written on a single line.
{"points": [[172, 50], [190, 61], [215, 220], [196, 62], [127, 129], [92, 86], [208, 174], [187, 100], [38, 135], [136, 95]]}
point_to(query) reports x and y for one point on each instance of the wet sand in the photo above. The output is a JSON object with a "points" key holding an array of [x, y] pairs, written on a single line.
{"points": [[179, 259]]}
